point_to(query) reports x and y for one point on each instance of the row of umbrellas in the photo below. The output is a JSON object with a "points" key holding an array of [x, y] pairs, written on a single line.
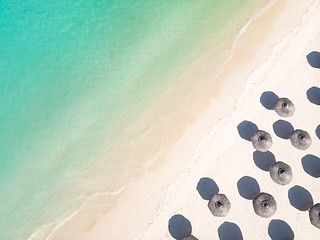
{"points": [[262, 140], [264, 205]]}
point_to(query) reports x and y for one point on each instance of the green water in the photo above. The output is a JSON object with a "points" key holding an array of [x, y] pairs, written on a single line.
{"points": [[72, 74]]}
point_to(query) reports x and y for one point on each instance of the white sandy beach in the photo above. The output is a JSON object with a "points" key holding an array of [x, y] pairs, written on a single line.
{"points": [[269, 56]]}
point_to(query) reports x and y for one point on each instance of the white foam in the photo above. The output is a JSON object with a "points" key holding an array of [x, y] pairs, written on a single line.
{"points": [[60, 222], [238, 35]]}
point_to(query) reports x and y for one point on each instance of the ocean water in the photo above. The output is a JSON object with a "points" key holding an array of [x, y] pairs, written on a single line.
{"points": [[73, 75]]}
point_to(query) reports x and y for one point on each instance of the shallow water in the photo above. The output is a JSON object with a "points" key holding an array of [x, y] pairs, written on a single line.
{"points": [[73, 74]]}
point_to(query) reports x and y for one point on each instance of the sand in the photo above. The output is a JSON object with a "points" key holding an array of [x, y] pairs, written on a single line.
{"points": [[269, 56]]}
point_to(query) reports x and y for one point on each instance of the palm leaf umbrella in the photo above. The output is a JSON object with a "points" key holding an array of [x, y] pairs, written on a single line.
{"points": [[281, 173], [261, 141], [219, 205], [314, 215], [300, 139], [284, 107], [190, 237], [264, 205]]}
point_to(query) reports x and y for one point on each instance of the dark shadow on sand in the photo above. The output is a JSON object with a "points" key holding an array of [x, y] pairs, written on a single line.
{"points": [[207, 187], [313, 94], [268, 100], [229, 231], [263, 160], [179, 227], [283, 129], [318, 131], [313, 59], [246, 129], [300, 198], [280, 230], [248, 187], [311, 165]]}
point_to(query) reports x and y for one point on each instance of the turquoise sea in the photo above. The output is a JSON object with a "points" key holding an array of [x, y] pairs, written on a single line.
{"points": [[73, 74]]}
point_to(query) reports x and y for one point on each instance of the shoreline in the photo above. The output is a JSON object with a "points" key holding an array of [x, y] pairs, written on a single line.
{"points": [[190, 204], [158, 168]]}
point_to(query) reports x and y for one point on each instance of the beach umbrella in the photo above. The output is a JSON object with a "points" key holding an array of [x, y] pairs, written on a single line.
{"points": [[314, 215], [190, 237], [264, 205], [284, 107], [281, 173], [261, 141], [300, 139], [219, 205]]}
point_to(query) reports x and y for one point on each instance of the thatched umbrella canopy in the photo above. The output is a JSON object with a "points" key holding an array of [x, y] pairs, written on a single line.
{"points": [[314, 215], [190, 237], [264, 205], [261, 141], [219, 205], [284, 107], [300, 139], [281, 173]]}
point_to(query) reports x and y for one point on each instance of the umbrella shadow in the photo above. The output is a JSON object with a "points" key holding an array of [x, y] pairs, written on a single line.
{"points": [[207, 188], [318, 131], [229, 230], [268, 100], [264, 160], [246, 129], [313, 59], [283, 129], [279, 230], [311, 165], [179, 227], [248, 187], [300, 198], [313, 94]]}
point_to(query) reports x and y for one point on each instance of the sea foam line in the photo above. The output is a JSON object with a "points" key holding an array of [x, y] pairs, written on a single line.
{"points": [[72, 215], [245, 27], [60, 223], [34, 235], [237, 36]]}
